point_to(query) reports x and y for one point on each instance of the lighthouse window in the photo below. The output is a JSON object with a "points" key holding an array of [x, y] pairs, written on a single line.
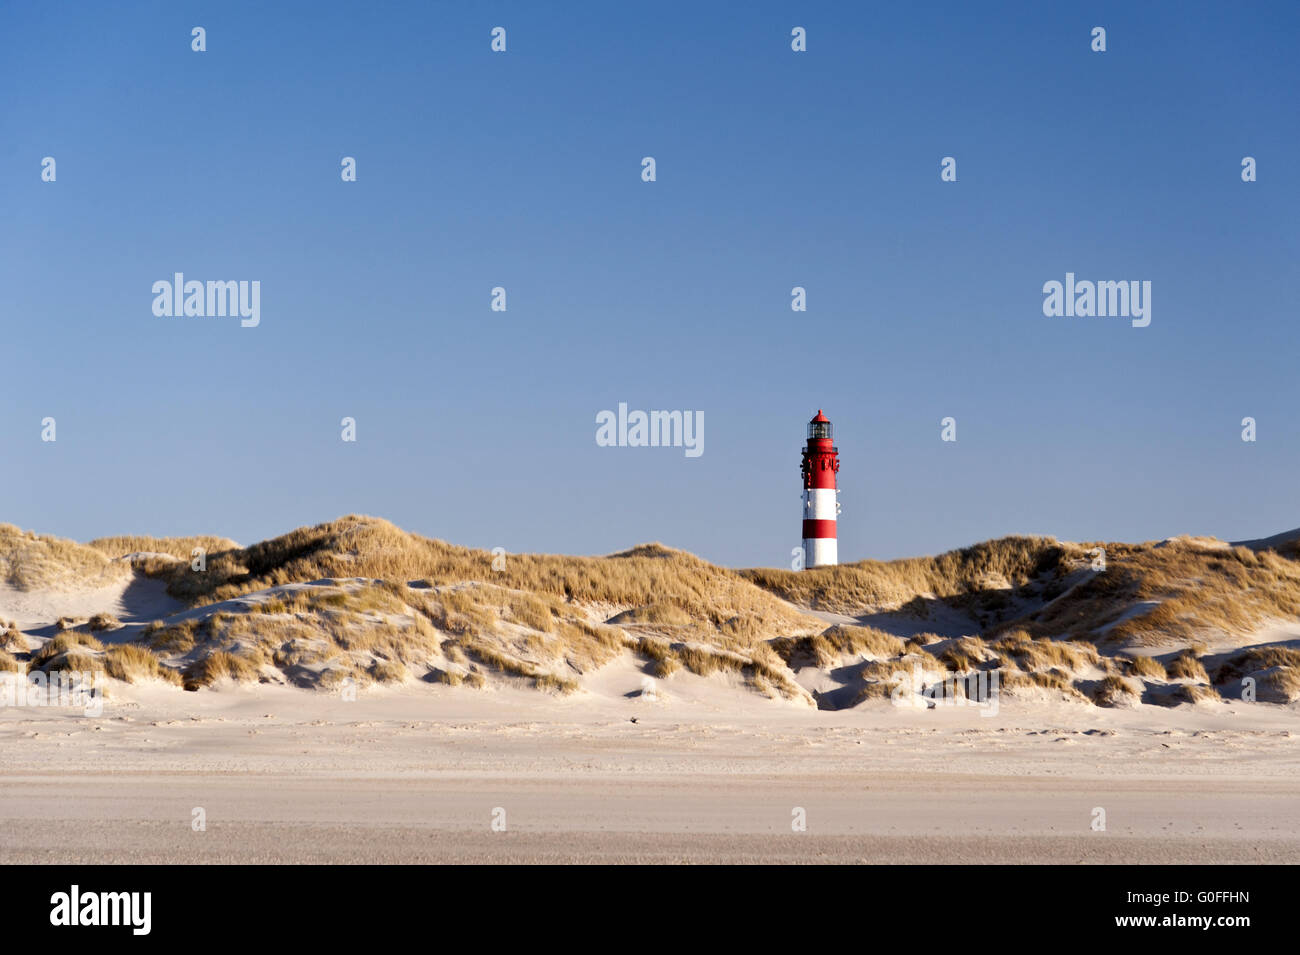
{"points": [[819, 429]]}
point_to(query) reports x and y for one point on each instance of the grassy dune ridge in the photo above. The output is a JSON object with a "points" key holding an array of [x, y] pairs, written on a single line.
{"points": [[360, 601], [1158, 590], [31, 561], [872, 584]]}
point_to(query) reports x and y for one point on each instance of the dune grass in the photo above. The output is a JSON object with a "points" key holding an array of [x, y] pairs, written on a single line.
{"points": [[836, 642], [181, 548], [1019, 650], [218, 665], [103, 621], [1280, 684], [74, 660], [1186, 589], [68, 642], [387, 671], [30, 561], [11, 638], [132, 663], [1254, 659], [394, 606], [1114, 691], [356, 546], [871, 585], [660, 613], [1185, 666], [1148, 667]]}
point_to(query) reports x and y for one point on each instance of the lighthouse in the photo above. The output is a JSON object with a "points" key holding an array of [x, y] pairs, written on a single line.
{"points": [[821, 462]]}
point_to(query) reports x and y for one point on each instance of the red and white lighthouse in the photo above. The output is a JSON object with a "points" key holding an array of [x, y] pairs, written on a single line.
{"points": [[821, 462]]}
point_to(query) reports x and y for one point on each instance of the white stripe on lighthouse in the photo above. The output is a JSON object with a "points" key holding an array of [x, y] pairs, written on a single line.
{"points": [[823, 504], [820, 552]]}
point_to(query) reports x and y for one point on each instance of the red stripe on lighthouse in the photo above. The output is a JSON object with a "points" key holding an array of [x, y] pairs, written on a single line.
{"points": [[818, 529], [822, 478]]}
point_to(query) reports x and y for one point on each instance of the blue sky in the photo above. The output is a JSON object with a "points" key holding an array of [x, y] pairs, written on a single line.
{"points": [[775, 169]]}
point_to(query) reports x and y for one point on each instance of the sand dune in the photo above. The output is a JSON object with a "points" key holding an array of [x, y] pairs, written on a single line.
{"points": [[358, 603]]}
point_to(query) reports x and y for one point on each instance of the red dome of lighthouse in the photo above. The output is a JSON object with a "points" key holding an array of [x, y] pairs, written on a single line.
{"points": [[820, 427]]}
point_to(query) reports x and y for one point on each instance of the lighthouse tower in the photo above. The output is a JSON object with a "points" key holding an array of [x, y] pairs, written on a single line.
{"points": [[821, 462]]}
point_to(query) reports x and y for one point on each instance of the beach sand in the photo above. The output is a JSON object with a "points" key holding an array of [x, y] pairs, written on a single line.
{"points": [[706, 773]]}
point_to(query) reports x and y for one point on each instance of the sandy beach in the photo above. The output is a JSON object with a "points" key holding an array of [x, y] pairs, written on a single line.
{"points": [[416, 775]]}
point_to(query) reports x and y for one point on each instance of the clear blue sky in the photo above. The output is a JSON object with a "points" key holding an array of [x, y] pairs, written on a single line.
{"points": [[775, 169]]}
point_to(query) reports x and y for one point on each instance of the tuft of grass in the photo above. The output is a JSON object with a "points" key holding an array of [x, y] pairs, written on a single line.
{"points": [[72, 660], [449, 677], [656, 649], [1254, 659], [386, 671], [130, 663], [103, 621], [14, 639], [956, 660], [549, 681], [64, 643], [1280, 684], [303, 652], [217, 664], [665, 667], [1150, 667], [1033, 654], [1113, 691], [178, 639], [836, 642], [1185, 666], [874, 690], [660, 653]]}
